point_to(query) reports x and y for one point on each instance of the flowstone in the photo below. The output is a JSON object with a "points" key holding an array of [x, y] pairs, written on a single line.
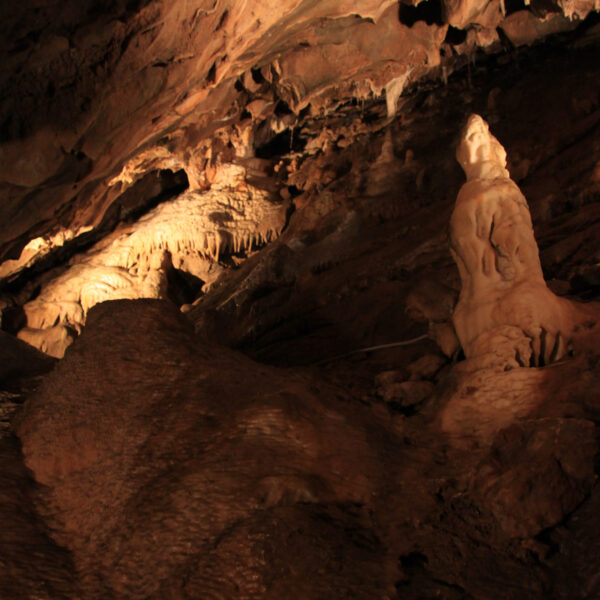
{"points": [[505, 314], [189, 234]]}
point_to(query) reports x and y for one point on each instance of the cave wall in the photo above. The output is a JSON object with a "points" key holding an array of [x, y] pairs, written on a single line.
{"points": [[87, 88], [291, 414]]}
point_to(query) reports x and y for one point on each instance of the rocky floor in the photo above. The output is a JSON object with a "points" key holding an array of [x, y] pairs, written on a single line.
{"points": [[175, 468]]}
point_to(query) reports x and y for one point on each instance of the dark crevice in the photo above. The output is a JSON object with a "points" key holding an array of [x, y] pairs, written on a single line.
{"points": [[414, 560], [585, 287], [282, 108], [545, 537], [455, 36], [99, 9], [135, 6], [294, 191], [183, 287], [513, 6], [13, 319], [590, 21], [211, 77], [429, 11], [125, 43], [543, 341], [150, 191], [540, 8], [257, 76], [283, 143], [304, 113], [12, 128], [405, 411], [222, 20]]}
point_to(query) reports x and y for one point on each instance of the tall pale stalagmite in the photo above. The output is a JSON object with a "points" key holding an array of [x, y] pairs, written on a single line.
{"points": [[505, 310]]}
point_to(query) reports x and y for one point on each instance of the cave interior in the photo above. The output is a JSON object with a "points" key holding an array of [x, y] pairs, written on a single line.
{"points": [[262, 337]]}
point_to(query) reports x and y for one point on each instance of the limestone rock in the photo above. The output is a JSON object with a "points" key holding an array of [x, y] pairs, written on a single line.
{"points": [[51, 340], [430, 300], [537, 473], [143, 437], [444, 335], [504, 295], [522, 27], [426, 367], [387, 378], [189, 233], [407, 393], [90, 90], [485, 13], [164, 465]]}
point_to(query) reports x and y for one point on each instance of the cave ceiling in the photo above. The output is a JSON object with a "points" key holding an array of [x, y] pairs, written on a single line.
{"points": [[92, 91]]}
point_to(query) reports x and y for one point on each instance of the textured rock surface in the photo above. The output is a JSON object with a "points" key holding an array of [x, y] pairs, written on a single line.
{"points": [[163, 474], [88, 90], [32, 565], [176, 475], [21, 368], [245, 448], [188, 234]]}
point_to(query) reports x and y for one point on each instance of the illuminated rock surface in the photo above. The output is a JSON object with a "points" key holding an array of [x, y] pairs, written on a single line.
{"points": [[505, 309], [291, 415], [188, 234]]}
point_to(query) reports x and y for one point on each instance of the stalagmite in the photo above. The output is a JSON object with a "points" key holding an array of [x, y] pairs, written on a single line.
{"points": [[505, 311]]}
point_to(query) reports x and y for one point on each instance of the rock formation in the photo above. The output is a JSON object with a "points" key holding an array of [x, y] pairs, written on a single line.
{"points": [[505, 308], [289, 415], [189, 234], [192, 487]]}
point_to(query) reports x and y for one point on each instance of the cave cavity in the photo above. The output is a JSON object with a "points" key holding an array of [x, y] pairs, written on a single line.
{"points": [[281, 144], [429, 11]]}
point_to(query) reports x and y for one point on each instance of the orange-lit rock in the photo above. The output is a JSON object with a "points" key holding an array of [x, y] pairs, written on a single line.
{"points": [[523, 27], [234, 439], [188, 234], [95, 87], [209, 471], [505, 309], [52, 340]]}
